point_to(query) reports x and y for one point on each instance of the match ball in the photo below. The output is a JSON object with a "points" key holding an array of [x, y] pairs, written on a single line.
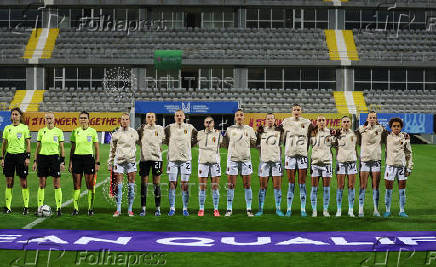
{"points": [[44, 211]]}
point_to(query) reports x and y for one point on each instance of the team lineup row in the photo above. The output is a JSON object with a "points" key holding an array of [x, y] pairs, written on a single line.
{"points": [[296, 135]]}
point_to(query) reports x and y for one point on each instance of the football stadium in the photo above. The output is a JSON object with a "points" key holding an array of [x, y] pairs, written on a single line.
{"points": [[195, 133]]}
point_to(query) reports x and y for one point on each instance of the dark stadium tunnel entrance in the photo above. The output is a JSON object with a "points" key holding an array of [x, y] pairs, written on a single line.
{"points": [[193, 19]]}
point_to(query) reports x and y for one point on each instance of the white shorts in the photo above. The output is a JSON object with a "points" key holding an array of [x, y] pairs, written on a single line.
{"points": [[322, 171], [236, 167], [346, 168], [267, 169], [174, 168], [212, 169], [370, 166], [292, 163], [392, 172], [125, 167]]}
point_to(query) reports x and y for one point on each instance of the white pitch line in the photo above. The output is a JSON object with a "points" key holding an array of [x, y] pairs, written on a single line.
{"points": [[66, 203]]}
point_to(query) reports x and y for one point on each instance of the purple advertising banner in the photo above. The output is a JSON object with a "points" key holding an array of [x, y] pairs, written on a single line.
{"points": [[46, 239]]}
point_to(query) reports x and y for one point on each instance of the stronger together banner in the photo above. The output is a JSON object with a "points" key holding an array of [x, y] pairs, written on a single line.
{"points": [[68, 121]]}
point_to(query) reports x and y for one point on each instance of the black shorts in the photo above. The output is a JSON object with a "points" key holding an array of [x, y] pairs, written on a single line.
{"points": [[49, 165], [145, 166], [83, 164], [15, 163]]}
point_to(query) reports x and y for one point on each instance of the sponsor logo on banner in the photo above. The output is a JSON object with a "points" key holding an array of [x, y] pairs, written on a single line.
{"points": [[45, 239], [414, 123], [68, 121], [333, 119]]}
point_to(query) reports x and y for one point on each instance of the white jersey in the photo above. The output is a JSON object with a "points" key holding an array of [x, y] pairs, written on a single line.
{"points": [[151, 142], [240, 137], [296, 136], [270, 145], [321, 147], [179, 139], [371, 139], [346, 142], [399, 151], [123, 146], [209, 146]]}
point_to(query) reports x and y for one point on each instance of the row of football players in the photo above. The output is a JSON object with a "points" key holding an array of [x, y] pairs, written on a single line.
{"points": [[296, 133]]}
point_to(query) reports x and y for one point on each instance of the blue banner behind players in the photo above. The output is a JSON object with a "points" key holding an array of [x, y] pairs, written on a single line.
{"points": [[414, 123], [189, 107], [5, 119]]}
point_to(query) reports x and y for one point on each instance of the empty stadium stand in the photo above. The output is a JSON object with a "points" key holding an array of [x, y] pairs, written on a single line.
{"points": [[401, 101]]}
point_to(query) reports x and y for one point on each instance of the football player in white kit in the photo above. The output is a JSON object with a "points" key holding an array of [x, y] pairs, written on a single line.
{"points": [[296, 144], [180, 137], [399, 164], [269, 139], [151, 137], [346, 157], [321, 163], [372, 135], [240, 138], [209, 141]]}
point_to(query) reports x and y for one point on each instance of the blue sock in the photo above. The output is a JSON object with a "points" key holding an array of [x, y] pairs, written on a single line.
{"points": [[303, 196], [375, 197], [388, 198], [339, 193], [291, 188], [131, 195], [202, 198], [215, 198], [350, 199], [172, 198], [248, 197], [278, 197], [314, 197], [262, 193], [120, 197], [185, 199], [230, 196], [326, 197], [361, 197], [402, 199]]}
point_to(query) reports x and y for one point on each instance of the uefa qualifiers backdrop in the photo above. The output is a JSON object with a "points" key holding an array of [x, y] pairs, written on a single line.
{"points": [[257, 119], [5, 119], [68, 121], [414, 123]]}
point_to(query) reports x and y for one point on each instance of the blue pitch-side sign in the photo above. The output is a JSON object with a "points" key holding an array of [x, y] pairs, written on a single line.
{"points": [[414, 123], [195, 241], [5, 119], [191, 107]]}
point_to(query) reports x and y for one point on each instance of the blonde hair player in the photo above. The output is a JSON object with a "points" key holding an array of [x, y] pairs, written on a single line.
{"points": [[399, 164], [151, 137], [372, 135], [15, 158], [269, 141], [180, 137], [209, 141], [49, 159], [122, 158], [239, 138], [321, 164], [346, 157], [296, 137]]}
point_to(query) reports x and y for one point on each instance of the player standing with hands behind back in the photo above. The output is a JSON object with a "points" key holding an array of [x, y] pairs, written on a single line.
{"points": [[209, 141], [122, 157], [15, 157], [180, 137], [269, 138], [49, 159], [239, 137], [82, 161]]}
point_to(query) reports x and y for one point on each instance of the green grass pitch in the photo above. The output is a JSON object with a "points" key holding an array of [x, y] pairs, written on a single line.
{"points": [[420, 207]]}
